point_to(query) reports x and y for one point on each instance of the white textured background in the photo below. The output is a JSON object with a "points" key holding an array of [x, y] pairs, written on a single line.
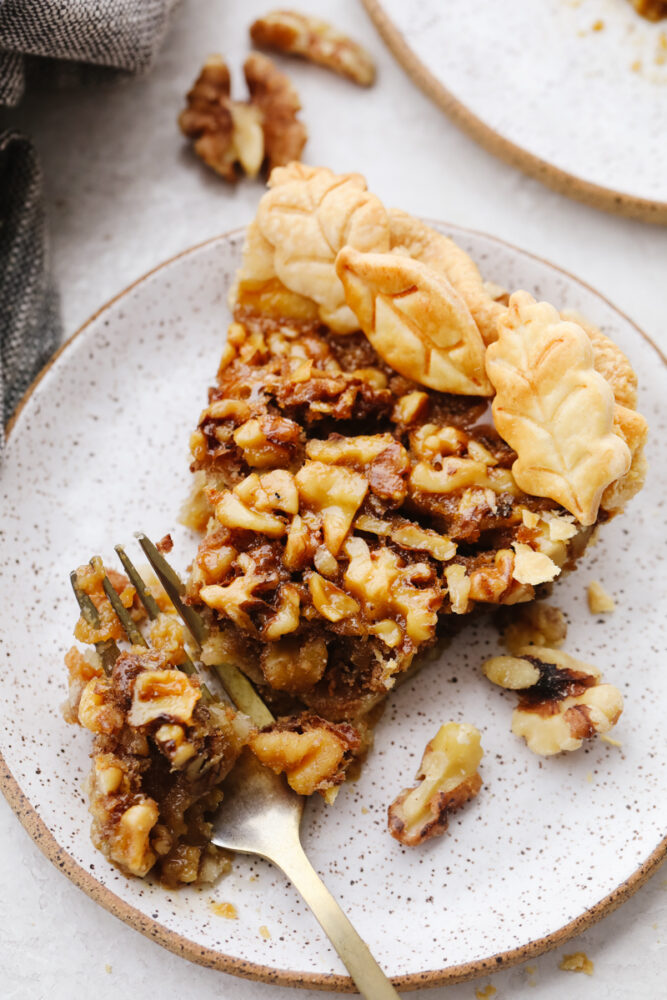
{"points": [[124, 194]]}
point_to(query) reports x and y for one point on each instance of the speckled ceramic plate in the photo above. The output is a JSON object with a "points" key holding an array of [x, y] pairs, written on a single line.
{"points": [[572, 91], [99, 449]]}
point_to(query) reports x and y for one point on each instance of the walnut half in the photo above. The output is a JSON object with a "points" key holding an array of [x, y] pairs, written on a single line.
{"points": [[316, 40], [228, 134], [448, 779], [561, 701]]}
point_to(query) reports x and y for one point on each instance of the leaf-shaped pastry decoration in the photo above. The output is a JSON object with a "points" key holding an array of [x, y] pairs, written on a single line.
{"points": [[415, 320], [554, 408], [305, 218], [415, 238]]}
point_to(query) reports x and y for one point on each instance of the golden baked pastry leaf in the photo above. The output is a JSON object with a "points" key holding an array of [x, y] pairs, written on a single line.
{"points": [[413, 237], [415, 320], [306, 217], [554, 408]]}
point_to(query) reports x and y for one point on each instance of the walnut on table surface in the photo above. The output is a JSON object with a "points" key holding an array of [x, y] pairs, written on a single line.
{"points": [[447, 777], [562, 702], [316, 40], [230, 134]]}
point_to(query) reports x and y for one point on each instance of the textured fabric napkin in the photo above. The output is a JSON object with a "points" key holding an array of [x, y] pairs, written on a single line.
{"points": [[123, 34]]}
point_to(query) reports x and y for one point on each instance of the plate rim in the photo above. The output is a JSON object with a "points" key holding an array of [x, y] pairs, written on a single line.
{"points": [[177, 943], [562, 181]]}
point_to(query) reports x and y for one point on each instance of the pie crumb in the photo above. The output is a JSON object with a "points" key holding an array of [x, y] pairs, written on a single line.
{"points": [[226, 910], [611, 740], [599, 601], [108, 969], [484, 994], [265, 933], [579, 962]]}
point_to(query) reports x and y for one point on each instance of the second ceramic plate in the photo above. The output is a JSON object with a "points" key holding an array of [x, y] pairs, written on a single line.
{"points": [[572, 91], [99, 450]]}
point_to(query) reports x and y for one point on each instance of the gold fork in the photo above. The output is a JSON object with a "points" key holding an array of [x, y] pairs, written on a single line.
{"points": [[261, 814]]}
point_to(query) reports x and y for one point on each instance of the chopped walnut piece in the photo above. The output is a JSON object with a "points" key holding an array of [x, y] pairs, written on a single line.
{"points": [[448, 778], [458, 586], [535, 624], [312, 752], [411, 407], [331, 602], [250, 505], [385, 584], [562, 702], [532, 567], [409, 536], [96, 710], [301, 35], [349, 450], [336, 493], [457, 473], [163, 694], [238, 597], [227, 133], [132, 845], [293, 664], [286, 618], [599, 601]]}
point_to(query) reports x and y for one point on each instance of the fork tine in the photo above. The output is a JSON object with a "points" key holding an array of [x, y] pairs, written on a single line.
{"points": [[107, 649], [148, 601], [174, 586], [143, 593], [235, 683], [243, 694], [123, 615]]}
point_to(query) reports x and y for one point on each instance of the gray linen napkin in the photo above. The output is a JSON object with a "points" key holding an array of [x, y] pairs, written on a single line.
{"points": [[123, 34], [29, 319]]}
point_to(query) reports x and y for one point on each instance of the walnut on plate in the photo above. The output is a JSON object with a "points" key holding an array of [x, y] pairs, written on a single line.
{"points": [[228, 134], [316, 40], [561, 703], [447, 777]]}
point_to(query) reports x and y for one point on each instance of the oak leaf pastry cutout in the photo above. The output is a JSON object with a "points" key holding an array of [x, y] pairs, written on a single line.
{"points": [[415, 320], [554, 409], [302, 222], [419, 241], [316, 40], [631, 426]]}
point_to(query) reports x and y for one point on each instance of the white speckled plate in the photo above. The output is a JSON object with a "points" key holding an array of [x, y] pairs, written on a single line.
{"points": [[572, 91], [99, 449]]}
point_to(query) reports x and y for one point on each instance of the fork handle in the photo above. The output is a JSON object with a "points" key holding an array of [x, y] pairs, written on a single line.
{"points": [[369, 978]]}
